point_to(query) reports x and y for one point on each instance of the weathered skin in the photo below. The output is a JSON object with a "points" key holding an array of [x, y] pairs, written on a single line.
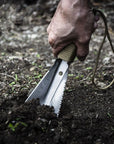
{"points": [[73, 22]]}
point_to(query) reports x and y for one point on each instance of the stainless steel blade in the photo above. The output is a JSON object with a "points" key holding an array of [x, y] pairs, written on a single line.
{"points": [[43, 86], [58, 96], [51, 88], [55, 94]]}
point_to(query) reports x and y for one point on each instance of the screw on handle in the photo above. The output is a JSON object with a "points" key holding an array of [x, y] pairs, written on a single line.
{"points": [[68, 53]]}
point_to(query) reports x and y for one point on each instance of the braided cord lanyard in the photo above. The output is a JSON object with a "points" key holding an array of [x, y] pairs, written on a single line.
{"points": [[100, 48]]}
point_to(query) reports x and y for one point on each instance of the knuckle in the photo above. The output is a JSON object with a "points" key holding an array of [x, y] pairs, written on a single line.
{"points": [[51, 39], [84, 39]]}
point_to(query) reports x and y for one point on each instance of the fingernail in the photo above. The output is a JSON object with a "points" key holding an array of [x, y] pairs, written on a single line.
{"points": [[81, 58]]}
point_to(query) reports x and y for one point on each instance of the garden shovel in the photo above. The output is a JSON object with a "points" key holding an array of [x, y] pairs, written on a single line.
{"points": [[51, 88]]}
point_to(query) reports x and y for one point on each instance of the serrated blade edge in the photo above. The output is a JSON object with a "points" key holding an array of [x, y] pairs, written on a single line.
{"points": [[57, 98]]}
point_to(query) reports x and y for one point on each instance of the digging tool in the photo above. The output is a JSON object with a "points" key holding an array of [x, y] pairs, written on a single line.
{"points": [[51, 88]]}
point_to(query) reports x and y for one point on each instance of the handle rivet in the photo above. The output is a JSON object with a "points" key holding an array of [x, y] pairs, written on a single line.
{"points": [[60, 73]]}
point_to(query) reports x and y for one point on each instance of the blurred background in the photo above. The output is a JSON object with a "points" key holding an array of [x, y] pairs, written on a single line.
{"points": [[24, 41]]}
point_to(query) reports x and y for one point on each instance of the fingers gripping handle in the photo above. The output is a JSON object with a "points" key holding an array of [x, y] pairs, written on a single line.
{"points": [[68, 53]]}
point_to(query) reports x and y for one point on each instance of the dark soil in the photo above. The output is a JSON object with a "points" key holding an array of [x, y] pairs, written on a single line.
{"points": [[87, 113]]}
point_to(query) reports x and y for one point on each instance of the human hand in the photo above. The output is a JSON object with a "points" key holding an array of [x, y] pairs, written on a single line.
{"points": [[73, 22]]}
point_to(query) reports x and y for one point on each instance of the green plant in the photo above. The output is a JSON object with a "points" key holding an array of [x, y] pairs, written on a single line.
{"points": [[109, 114], [40, 66], [15, 80], [14, 126], [89, 68], [3, 54], [71, 75], [38, 76], [38, 56], [34, 64], [16, 77], [79, 76], [12, 83]]}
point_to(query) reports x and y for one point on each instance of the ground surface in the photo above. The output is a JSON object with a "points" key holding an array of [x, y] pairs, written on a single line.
{"points": [[86, 115]]}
